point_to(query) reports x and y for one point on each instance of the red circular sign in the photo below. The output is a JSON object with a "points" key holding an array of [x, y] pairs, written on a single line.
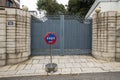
{"points": [[50, 38]]}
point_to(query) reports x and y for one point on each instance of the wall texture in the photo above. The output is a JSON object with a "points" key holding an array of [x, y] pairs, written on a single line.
{"points": [[106, 36], [14, 36]]}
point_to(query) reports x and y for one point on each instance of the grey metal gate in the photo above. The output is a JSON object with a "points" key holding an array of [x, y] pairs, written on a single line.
{"points": [[74, 37]]}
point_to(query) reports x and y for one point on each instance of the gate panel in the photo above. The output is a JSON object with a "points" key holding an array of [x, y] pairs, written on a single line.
{"points": [[39, 47], [76, 36]]}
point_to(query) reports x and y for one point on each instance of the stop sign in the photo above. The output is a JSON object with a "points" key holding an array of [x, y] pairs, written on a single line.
{"points": [[50, 38]]}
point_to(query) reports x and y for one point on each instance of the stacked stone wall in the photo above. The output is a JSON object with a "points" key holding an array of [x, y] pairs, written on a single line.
{"points": [[3, 37], [17, 35], [105, 39]]}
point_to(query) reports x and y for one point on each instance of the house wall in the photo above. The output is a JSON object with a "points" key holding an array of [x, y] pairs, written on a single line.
{"points": [[14, 36]]}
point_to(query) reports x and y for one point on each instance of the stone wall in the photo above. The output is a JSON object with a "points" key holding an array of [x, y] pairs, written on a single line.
{"points": [[106, 37], [2, 37], [14, 36]]}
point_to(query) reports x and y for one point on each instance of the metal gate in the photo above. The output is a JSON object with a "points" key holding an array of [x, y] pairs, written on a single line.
{"points": [[74, 37]]}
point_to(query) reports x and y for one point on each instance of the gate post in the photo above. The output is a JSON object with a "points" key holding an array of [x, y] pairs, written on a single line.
{"points": [[61, 34]]}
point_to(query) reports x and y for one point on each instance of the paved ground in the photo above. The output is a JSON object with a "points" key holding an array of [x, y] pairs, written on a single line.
{"points": [[66, 65], [90, 76]]}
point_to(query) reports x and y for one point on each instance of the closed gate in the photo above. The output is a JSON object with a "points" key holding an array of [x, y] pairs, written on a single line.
{"points": [[74, 37]]}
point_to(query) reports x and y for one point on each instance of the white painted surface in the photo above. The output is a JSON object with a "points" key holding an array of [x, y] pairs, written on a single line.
{"points": [[105, 6]]}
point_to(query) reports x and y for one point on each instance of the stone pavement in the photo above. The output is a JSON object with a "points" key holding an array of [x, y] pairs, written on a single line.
{"points": [[66, 65]]}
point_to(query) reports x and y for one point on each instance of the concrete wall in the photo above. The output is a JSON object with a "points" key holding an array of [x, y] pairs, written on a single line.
{"points": [[106, 37], [14, 36]]}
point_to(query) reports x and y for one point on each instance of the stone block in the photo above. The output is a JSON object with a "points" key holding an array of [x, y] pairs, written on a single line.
{"points": [[11, 40], [118, 55], [2, 26], [2, 32], [2, 12], [2, 50], [118, 23], [118, 18], [11, 37], [10, 49], [112, 13], [12, 56], [12, 52], [10, 28], [111, 50], [111, 21], [117, 50], [11, 31], [16, 60], [108, 55], [11, 11], [25, 54], [118, 45], [118, 28], [3, 56], [94, 16], [11, 34], [3, 38], [2, 20], [10, 46], [10, 43], [111, 24], [2, 62], [118, 39], [118, 14], [2, 44]]}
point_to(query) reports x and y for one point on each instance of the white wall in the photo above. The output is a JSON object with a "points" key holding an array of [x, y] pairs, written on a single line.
{"points": [[107, 6]]}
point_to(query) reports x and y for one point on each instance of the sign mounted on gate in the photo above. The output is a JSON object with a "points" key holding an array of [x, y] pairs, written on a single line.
{"points": [[50, 38]]}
